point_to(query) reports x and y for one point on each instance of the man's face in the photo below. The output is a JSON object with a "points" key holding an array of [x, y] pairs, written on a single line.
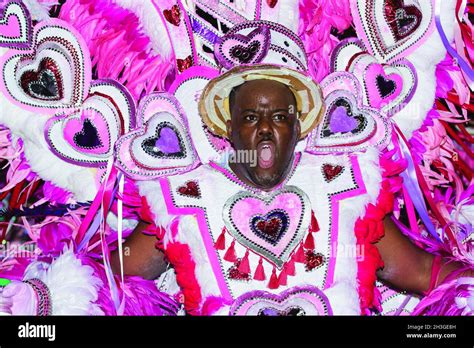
{"points": [[264, 120]]}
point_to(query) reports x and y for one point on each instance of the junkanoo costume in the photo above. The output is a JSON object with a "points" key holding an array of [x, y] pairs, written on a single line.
{"points": [[117, 112]]}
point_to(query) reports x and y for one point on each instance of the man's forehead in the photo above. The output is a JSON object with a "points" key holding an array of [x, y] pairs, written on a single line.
{"points": [[275, 90]]}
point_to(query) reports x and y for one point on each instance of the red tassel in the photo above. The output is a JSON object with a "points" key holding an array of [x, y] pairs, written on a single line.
{"points": [[220, 242], [309, 242], [290, 267], [299, 255], [259, 272], [314, 223], [273, 283], [230, 254], [244, 266], [282, 279]]}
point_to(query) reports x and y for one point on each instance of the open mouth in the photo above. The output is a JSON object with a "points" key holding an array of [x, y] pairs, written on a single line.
{"points": [[266, 154]]}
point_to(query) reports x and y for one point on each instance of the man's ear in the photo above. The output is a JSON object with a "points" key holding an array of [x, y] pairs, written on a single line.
{"points": [[228, 126]]}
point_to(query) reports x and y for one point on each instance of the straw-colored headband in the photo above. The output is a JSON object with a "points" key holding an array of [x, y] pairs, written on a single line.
{"points": [[214, 103]]}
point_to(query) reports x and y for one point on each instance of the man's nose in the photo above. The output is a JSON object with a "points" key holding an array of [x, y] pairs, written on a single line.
{"points": [[265, 127]]}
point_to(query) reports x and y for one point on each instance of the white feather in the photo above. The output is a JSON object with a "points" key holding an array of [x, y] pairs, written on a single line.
{"points": [[39, 11], [28, 126], [73, 286]]}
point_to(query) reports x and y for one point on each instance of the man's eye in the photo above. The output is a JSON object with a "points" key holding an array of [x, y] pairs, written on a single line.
{"points": [[250, 118], [279, 117]]}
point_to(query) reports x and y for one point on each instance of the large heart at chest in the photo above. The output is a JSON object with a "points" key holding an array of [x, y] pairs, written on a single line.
{"points": [[271, 226], [307, 300]]}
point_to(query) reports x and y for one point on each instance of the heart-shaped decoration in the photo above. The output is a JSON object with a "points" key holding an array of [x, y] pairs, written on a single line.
{"points": [[299, 301], [347, 126], [332, 171], [387, 87], [86, 136], [272, 225], [165, 143], [190, 189], [45, 83], [236, 49], [88, 131], [344, 118], [184, 64], [383, 88], [15, 26], [235, 274], [313, 260], [392, 28], [272, 3], [173, 15], [161, 145], [54, 74], [403, 20]]}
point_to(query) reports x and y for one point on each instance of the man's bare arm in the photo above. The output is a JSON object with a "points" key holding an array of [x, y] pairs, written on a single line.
{"points": [[140, 257], [408, 267]]}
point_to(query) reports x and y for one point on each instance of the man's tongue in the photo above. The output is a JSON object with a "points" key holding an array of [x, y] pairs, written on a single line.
{"points": [[265, 155]]}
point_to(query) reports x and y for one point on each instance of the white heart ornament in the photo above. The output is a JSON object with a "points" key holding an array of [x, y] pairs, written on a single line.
{"points": [[86, 136], [386, 87], [393, 28], [54, 74], [161, 145], [347, 124]]}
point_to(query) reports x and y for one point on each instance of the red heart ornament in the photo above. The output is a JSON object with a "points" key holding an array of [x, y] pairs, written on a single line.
{"points": [[45, 83], [313, 260], [332, 171], [173, 15], [403, 20], [184, 64], [190, 189], [272, 3]]}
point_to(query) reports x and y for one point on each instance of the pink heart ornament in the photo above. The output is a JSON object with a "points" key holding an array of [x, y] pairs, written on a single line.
{"points": [[156, 110], [108, 111], [237, 49], [240, 209], [307, 300], [15, 26], [374, 133], [74, 125], [401, 73]]}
